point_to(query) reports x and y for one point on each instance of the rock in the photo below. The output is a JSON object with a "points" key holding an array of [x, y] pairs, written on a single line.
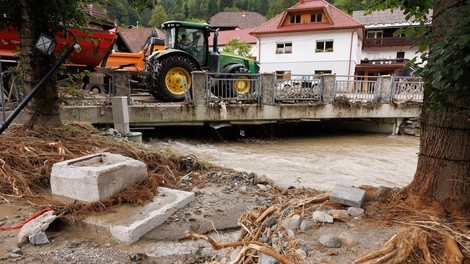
{"points": [[135, 257], [17, 251], [348, 239], [355, 211], [291, 223], [262, 187], [243, 189], [301, 252], [347, 195], [38, 239], [261, 179], [306, 225], [341, 215], [272, 221], [330, 241], [322, 217], [290, 233], [15, 255], [268, 259], [37, 225]]}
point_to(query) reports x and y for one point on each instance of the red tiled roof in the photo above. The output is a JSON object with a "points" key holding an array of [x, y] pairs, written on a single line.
{"points": [[339, 19], [241, 34], [135, 38]]}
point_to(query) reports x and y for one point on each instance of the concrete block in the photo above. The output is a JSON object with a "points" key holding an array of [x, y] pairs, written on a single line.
{"points": [[129, 223], [95, 177], [347, 195]]}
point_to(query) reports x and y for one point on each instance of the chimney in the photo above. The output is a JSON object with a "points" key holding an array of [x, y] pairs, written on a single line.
{"points": [[302, 2]]}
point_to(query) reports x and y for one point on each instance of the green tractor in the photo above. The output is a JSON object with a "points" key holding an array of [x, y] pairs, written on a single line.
{"points": [[168, 72]]}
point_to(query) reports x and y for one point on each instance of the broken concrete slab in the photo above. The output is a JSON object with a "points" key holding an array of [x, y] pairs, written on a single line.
{"points": [[347, 195], [35, 226], [95, 177], [129, 223], [38, 239]]}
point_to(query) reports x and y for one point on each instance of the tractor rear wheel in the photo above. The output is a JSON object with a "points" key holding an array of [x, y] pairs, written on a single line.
{"points": [[241, 84], [174, 78], [238, 84]]}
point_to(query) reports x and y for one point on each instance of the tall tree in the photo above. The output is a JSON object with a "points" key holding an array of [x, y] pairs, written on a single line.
{"points": [[31, 18], [158, 16], [442, 176]]}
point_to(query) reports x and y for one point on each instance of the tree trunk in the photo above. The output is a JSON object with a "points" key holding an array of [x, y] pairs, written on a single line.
{"points": [[443, 171], [43, 109]]}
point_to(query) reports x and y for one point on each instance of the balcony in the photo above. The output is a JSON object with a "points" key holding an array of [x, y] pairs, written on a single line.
{"points": [[390, 41]]}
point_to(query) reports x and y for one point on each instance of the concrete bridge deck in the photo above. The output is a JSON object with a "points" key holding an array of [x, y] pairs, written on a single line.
{"points": [[378, 105], [381, 104]]}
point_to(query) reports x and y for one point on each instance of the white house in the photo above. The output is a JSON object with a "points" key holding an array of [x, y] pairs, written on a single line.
{"points": [[383, 52], [311, 37]]}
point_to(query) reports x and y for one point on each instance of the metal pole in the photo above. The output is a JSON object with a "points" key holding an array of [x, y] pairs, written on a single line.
{"points": [[36, 88]]}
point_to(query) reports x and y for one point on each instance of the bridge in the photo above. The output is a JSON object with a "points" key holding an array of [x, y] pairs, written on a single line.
{"points": [[380, 103]]}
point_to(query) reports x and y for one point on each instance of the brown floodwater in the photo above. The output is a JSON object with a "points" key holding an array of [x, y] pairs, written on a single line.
{"points": [[317, 162]]}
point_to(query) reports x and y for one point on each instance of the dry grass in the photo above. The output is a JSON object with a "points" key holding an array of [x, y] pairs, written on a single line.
{"points": [[26, 159]]}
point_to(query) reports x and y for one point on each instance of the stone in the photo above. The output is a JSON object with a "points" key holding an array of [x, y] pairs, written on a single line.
{"points": [[306, 225], [35, 226], [347, 195], [272, 221], [261, 179], [348, 239], [291, 222], [38, 239], [322, 217], [290, 233], [301, 253], [341, 215], [330, 241], [355, 211], [95, 177], [268, 259], [262, 187]]}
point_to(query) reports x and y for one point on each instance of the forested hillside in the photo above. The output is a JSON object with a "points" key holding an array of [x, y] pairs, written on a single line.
{"points": [[201, 10]]}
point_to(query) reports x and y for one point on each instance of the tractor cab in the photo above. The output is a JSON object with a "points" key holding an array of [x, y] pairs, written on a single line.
{"points": [[189, 37]]}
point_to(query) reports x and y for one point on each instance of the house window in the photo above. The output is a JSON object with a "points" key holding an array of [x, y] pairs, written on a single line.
{"points": [[324, 46], [316, 17], [295, 19], [320, 72], [400, 55], [282, 48], [283, 75], [375, 34]]}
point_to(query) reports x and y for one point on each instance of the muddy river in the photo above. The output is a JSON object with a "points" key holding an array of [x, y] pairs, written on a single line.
{"points": [[316, 162]]}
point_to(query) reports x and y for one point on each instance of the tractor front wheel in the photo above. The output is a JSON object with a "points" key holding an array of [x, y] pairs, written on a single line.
{"points": [[174, 78]]}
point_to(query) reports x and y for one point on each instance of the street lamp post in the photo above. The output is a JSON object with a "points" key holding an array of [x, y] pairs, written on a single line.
{"points": [[46, 45]]}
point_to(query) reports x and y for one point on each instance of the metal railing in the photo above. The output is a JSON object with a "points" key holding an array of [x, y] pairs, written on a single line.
{"points": [[356, 88], [241, 87], [407, 88], [297, 88], [9, 91]]}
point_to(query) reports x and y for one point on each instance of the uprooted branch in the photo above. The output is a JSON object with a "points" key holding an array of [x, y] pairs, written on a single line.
{"points": [[247, 245]]}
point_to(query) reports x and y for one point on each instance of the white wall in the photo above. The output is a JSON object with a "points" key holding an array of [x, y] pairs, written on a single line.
{"points": [[304, 59]]}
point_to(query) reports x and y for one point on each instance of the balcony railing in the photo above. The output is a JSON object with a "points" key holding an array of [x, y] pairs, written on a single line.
{"points": [[390, 41]]}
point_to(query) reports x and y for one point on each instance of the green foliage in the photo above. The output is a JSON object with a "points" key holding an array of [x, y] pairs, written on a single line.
{"points": [[445, 58], [238, 47], [446, 73], [349, 6], [158, 17], [53, 13]]}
